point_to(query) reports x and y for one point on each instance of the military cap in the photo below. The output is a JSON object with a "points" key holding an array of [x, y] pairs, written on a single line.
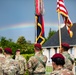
{"points": [[58, 55], [0, 49], [8, 50], [65, 45], [18, 50], [38, 45]]}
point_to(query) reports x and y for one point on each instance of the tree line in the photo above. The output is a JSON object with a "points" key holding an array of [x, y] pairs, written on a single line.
{"points": [[25, 46], [21, 44]]}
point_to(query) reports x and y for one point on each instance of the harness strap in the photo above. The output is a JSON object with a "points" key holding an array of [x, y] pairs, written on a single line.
{"points": [[35, 66], [68, 56], [70, 59], [38, 62]]}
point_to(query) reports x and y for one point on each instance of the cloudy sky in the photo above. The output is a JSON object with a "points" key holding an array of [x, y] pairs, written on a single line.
{"points": [[17, 17]]}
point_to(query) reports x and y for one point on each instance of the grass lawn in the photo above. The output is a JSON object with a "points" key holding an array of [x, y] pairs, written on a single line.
{"points": [[48, 70]]}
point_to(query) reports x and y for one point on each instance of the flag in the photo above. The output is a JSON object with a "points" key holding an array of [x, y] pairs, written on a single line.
{"points": [[40, 29], [39, 7], [39, 22], [63, 11]]}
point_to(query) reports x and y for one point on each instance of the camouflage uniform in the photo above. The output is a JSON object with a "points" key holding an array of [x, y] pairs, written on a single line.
{"points": [[10, 67], [2, 58], [1, 55], [68, 60], [22, 64], [62, 72], [37, 64]]}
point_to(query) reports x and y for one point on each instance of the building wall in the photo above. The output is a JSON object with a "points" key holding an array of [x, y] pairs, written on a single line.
{"points": [[74, 51], [51, 51]]}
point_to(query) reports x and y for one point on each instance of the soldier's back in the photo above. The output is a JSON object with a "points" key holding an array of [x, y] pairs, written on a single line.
{"points": [[2, 59], [37, 64], [9, 67], [68, 61], [62, 72], [67, 72], [22, 64]]}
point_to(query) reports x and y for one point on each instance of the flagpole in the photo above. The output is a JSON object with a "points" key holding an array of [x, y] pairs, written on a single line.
{"points": [[59, 31], [35, 29], [35, 22]]}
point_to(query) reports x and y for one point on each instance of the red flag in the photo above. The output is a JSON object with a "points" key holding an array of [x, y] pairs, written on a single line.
{"points": [[63, 11], [39, 7], [39, 21]]}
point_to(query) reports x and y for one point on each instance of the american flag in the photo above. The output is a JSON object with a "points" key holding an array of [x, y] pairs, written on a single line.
{"points": [[63, 11]]}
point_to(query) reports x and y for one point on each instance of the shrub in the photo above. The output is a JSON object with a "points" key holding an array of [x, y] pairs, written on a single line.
{"points": [[27, 56]]}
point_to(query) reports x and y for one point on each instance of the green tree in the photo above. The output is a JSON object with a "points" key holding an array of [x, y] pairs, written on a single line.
{"points": [[3, 41], [22, 44], [8, 43], [26, 47], [21, 40]]}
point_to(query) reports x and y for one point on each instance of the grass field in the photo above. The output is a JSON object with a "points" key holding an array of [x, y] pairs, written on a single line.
{"points": [[48, 70]]}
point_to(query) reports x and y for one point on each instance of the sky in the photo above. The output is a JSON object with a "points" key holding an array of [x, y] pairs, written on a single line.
{"points": [[17, 18]]}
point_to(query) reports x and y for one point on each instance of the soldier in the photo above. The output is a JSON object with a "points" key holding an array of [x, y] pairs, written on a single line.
{"points": [[10, 66], [2, 58], [58, 62], [37, 63], [69, 60], [22, 62], [1, 53]]}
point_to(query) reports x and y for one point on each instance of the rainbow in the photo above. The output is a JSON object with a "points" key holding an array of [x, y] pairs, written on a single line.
{"points": [[17, 26], [26, 25]]}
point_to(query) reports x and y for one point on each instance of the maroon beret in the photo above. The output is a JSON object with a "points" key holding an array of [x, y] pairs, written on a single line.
{"points": [[18, 50], [58, 55], [8, 50], [65, 45], [0, 49], [38, 46]]}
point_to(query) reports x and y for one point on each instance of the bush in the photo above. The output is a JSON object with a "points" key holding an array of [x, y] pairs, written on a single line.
{"points": [[27, 56]]}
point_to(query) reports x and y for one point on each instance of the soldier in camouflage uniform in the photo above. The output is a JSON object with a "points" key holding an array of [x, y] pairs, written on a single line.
{"points": [[22, 62], [37, 63], [10, 67], [69, 60], [2, 58], [58, 62], [1, 53]]}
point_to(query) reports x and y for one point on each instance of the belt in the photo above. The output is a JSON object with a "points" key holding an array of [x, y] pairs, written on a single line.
{"points": [[39, 73]]}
